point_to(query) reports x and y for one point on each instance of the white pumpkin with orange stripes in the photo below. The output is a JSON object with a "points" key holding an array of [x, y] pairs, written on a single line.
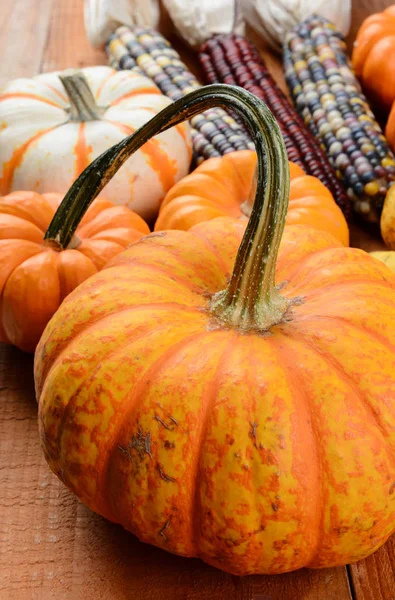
{"points": [[53, 125]]}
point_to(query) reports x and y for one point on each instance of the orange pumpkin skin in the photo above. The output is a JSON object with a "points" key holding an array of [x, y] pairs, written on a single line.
{"points": [[219, 187], [259, 453], [34, 279], [390, 127], [373, 57]]}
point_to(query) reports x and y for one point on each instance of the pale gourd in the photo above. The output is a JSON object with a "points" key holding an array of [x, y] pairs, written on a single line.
{"points": [[56, 124]]}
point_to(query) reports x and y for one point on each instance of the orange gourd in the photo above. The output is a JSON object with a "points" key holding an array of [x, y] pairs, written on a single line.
{"points": [[390, 127], [221, 187], [35, 277], [220, 414], [373, 57]]}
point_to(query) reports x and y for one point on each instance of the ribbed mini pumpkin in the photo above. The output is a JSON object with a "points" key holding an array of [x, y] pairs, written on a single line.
{"points": [[54, 125], [373, 57], [35, 276], [216, 414], [221, 187]]}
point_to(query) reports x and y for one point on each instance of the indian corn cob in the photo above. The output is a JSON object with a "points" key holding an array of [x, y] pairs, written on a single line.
{"points": [[234, 60], [214, 132], [329, 98]]}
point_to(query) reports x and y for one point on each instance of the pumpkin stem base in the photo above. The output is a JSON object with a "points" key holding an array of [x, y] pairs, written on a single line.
{"points": [[239, 313], [83, 106], [56, 245]]}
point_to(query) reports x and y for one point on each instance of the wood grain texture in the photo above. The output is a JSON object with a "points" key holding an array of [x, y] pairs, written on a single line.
{"points": [[374, 577], [67, 44], [51, 546], [24, 27]]}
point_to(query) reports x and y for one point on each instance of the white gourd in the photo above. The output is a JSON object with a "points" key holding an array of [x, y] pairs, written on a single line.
{"points": [[55, 124], [273, 19]]}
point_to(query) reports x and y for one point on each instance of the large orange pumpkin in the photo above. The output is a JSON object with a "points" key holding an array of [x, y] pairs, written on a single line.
{"points": [[36, 277], [221, 187], [220, 415], [373, 57]]}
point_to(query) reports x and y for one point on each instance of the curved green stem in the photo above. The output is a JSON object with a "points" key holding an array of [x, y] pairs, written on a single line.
{"points": [[83, 105], [251, 301]]}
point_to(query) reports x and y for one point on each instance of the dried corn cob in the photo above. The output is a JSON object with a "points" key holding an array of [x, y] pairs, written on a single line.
{"points": [[234, 60], [329, 98], [214, 132]]}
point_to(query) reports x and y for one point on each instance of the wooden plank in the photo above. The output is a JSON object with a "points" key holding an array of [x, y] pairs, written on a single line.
{"points": [[374, 577], [67, 45], [52, 547], [23, 34]]}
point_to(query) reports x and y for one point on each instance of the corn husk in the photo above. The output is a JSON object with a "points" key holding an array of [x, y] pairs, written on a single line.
{"points": [[273, 19], [102, 17], [197, 20]]}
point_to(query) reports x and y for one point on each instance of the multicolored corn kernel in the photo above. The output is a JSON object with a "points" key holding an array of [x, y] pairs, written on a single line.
{"points": [[234, 60], [328, 96], [146, 51]]}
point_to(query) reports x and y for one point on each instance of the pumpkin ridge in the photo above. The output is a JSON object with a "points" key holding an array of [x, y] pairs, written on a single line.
{"points": [[55, 90], [179, 128], [59, 349], [13, 227], [190, 285], [235, 165], [222, 186], [19, 265], [175, 252], [295, 383], [212, 249], [349, 283], [341, 373], [211, 392], [62, 287], [100, 251], [102, 84], [23, 289], [57, 446], [377, 336], [31, 96], [164, 168], [134, 92], [300, 267], [347, 380], [112, 217], [81, 151], [16, 159], [30, 212], [34, 248], [133, 402]]}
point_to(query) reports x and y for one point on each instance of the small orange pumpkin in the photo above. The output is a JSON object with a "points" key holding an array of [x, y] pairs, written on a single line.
{"points": [[36, 277], [221, 187], [216, 414], [373, 57]]}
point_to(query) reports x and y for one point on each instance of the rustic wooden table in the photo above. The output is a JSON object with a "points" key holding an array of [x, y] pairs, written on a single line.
{"points": [[51, 546]]}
